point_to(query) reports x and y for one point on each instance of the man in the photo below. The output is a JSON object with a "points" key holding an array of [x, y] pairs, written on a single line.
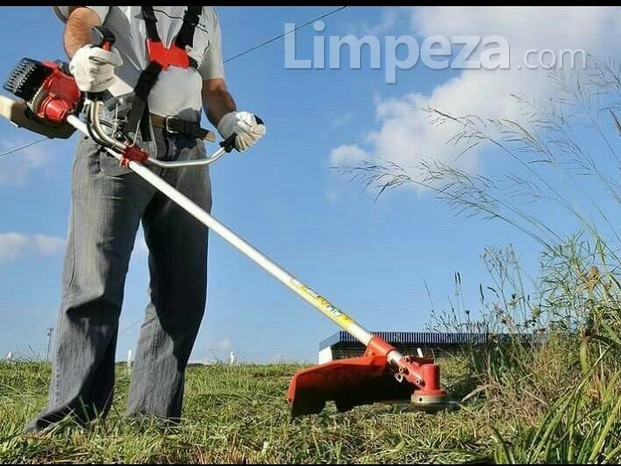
{"points": [[180, 47]]}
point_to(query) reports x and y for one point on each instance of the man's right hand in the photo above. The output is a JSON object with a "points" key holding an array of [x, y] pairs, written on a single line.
{"points": [[93, 68]]}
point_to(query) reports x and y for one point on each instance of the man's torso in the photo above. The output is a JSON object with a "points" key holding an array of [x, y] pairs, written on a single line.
{"points": [[177, 90]]}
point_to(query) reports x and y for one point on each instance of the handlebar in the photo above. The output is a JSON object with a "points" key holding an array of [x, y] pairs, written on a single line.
{"points": [[99, 134], [104, 38]]}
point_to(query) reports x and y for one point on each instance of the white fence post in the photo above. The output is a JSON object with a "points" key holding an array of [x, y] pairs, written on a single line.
{"points": [[129, 361]]}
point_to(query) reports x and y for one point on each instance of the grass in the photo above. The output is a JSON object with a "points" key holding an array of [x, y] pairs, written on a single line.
{"points": [[552, 402], [239, 414]]}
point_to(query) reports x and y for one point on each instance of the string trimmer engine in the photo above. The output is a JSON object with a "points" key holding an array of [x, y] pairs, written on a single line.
{"points": [[50, 93], [47, 94]]}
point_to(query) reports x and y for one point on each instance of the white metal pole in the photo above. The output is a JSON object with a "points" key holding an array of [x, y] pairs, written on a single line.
{"points": [[306, 293]]}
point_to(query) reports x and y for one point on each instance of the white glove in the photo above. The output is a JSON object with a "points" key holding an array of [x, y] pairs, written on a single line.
{"points": [[245, 125], [93, 68]]}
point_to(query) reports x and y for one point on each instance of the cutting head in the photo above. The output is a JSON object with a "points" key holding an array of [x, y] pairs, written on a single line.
{"points": [[356, 381]]}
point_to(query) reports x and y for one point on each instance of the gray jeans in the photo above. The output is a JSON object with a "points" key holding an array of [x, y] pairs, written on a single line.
{"points": [[108, 204]]}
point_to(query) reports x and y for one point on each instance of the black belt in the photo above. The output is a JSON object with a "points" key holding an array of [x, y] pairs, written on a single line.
{"points": [[175, 125]]}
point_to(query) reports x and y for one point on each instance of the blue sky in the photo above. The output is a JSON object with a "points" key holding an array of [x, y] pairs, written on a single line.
{"points": [[374, 260]]}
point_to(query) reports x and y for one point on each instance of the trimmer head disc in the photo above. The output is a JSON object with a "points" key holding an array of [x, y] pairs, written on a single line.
{"points": [[431, 403]]}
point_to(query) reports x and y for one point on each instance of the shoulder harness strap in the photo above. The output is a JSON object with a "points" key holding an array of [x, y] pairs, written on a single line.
{"points": [[160, 58]]}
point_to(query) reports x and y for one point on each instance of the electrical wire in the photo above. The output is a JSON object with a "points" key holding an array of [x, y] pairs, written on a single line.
{"points": [[269, 41], [245, 52], [241, 54], [31, 143]]}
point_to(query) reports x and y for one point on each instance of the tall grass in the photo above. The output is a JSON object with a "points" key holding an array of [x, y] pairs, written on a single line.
{"points": [[564, 154]]}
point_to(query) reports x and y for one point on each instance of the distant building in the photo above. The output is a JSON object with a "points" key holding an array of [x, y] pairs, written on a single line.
{"points": [[343, 345]]}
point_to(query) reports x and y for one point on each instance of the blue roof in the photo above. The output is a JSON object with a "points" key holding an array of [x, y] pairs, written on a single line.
{"points": [[423, 338]]}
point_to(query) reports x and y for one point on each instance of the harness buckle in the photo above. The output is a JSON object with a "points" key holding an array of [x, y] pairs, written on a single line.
{"points": [[174, 56], [191, 18]]}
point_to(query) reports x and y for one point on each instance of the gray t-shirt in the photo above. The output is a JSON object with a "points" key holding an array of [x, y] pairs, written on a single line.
{"points": [[177, 90]]}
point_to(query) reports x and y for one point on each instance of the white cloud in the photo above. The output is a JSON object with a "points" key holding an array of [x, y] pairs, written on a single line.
{"points": [[12, 245], [390, 17], [48, 244], [403, 133], [346, 154], [340, 121], [16, 245], [523, 27]]}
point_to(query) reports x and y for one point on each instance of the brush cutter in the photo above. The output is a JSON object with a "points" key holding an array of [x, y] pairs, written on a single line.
{"points": [[50, 105]]}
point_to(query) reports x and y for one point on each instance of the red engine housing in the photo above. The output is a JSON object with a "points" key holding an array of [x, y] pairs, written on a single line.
{"points": [[47, 89], [57, 97]]}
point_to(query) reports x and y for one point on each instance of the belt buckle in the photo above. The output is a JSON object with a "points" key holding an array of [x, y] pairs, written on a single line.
{"points": [[169, 125]]}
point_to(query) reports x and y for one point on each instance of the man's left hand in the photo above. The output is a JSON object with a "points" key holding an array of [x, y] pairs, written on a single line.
{"points": [[248, 128]]}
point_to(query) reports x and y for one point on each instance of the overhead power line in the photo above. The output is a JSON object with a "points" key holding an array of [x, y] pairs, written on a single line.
{"points": [[241, 54], [280, 36], [245, 52], [31, 143]]}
